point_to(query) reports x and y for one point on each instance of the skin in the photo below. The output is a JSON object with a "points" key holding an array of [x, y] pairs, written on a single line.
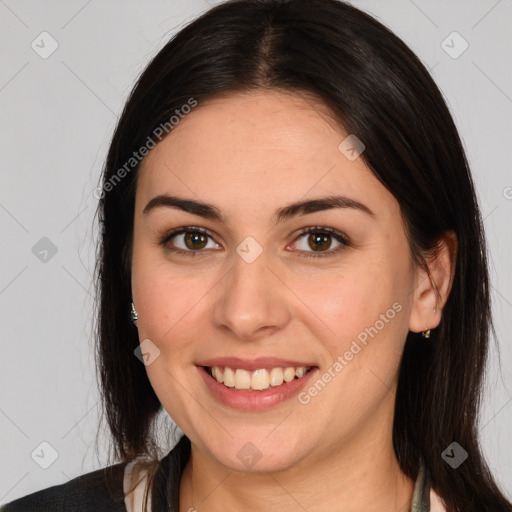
{"points": [[250, 154]]}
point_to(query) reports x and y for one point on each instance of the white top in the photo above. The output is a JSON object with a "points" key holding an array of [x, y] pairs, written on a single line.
{"points": [[135, 499], [435, 503]]}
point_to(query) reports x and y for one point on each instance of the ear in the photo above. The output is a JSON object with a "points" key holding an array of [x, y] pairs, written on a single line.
{"points": [[433, 285]]}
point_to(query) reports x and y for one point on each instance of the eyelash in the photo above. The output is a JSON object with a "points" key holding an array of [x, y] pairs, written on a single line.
{"points": [[305, 254]]}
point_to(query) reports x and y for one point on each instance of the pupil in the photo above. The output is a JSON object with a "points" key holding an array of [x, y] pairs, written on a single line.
{"points": [[321, 240], [195, 239]]}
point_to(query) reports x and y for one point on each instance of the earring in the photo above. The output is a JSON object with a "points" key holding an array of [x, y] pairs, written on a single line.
{"points": [[133, 314], [426, 334]]}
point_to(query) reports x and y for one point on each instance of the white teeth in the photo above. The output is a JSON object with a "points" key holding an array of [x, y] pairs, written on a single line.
{"points": [[289, 374], [217, 374], [242, 379], [276, 376], [259, 380], [229, 377]]}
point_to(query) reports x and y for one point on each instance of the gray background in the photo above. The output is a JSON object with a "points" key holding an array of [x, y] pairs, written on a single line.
{"points": [[57, 117]]}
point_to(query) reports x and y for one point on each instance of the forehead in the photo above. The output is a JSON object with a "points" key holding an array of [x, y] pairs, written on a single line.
{"points": [[255, 147], [253, 122]]}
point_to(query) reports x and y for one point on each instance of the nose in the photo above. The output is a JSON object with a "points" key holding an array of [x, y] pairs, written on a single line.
{"points": [[252, 301]]}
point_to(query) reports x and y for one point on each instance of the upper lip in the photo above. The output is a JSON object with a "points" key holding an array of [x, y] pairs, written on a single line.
{"points": [[253, 364]]}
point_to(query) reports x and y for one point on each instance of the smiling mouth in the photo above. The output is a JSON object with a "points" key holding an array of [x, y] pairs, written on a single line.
{"points": [[256, 380]]}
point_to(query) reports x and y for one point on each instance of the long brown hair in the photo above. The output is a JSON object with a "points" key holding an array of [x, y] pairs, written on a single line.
{"points": [[379, 90]]}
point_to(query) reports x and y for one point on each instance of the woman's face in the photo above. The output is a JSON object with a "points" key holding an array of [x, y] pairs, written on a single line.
{"points": [[256, 288]]}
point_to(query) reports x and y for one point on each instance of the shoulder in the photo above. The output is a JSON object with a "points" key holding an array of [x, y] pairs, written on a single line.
{"points": [[84, 493]]}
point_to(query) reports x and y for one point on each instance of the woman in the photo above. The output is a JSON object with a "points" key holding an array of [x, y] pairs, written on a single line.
{"points": [[288, 216]]}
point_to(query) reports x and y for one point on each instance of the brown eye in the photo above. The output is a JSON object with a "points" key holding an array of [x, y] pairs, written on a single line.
{"points": [[195, 240], [188, 241], [319, 241]]}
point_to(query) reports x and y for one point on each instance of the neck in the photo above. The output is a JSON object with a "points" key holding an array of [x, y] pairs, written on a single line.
{"points": [[360, 476]]}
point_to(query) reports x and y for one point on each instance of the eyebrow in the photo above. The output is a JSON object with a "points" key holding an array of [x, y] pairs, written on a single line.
{"points": [[209, 211]]}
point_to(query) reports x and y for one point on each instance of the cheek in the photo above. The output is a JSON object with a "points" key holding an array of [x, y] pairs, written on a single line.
{"points": [[351, 299], [366, 308], [174, 308], [158, 296], [169, 311], [165, 305]]}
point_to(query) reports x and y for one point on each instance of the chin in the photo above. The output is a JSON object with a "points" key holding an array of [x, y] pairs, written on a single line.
{"points": [[258, 457]]}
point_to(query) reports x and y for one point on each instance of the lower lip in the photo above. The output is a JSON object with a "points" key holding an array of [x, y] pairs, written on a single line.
{"points": [[248, 400]]}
